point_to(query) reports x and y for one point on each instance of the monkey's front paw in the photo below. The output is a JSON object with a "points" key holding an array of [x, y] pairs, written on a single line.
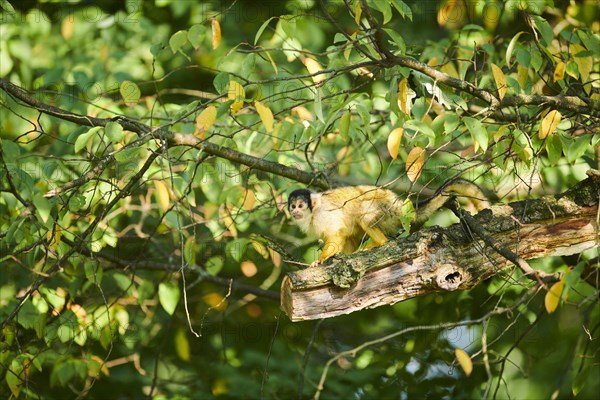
{"points": [[315, 263]]}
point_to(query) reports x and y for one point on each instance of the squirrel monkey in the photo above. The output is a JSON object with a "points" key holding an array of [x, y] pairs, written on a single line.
{"points": [[343, 217]]}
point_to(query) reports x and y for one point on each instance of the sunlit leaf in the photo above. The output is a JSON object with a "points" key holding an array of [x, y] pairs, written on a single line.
{"points": [[168, 296], [511, 47], [265, 114], [205, 120], [408, 214], [552, 298], [248, 268], [83, 139], [162, 194], [313, 68], [559, 71], [177, 40], [393, 142], [189, 250], [414, 163], [182, 344], [479, 133], [262, 29], [549, 123], [500, 80], [130, 92], [196, 35], [216, 33], [344, 127], [553, 148], [236, 93], [464, 360]]}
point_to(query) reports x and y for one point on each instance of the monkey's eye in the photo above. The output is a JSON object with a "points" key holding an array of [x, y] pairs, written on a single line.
{"points": [[300, 205]]}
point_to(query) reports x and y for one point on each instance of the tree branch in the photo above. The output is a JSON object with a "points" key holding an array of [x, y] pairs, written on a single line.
{"points": [[446, 259], [172, 139]]}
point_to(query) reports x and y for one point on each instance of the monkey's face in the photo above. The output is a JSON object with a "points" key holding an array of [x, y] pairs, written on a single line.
{"points": [[299, 208]]}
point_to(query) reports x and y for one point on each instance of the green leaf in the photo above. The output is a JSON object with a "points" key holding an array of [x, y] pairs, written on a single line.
{"points": [[145, 291], [6, 6], [28, 316], [221, 82], [398, 39], [382, 6], [189, 251], [522, 146], [182, 345], [580, 380], [344, 126], [544, 28], [511, 47], [177, 40], [42, 206], [553, 148], [408, 215], [6, 62], [478, 132], [114, 131], [128, 154], [419, 126], [575, 148], [214, 265], [403, 9], [168, 296], [130, 92], [84, 138], [196, 35], [262, 29], [13, 379]]}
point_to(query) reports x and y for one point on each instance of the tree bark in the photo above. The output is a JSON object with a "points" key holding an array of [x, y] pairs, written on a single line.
{"points": [[447, 259]]}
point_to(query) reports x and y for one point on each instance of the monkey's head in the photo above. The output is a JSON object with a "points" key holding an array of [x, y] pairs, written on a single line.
{"points": [[300, 206]]}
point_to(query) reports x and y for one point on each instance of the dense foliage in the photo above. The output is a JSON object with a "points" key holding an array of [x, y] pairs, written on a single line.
{"points": [[144, 173]]}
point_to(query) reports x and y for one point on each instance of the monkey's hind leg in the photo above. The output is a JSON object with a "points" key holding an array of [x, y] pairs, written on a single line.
{"points": [[376, 234]]}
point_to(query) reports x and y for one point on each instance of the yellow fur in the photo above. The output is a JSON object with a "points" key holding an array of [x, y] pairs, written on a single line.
{"points": [[345, 217]]}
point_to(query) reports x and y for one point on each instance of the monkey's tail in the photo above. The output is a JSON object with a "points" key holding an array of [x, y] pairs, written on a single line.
{"points": [[458, 186]]}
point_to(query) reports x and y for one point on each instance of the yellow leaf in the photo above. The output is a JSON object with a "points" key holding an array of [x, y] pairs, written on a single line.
{"points": [[414, 163], [236, 93], [552, 297], [248, 268], [275, 257], [205, 120], [464, 360], [249, 200], [549, 124], [182, 345], [402, 96], [584, 65], [500, 80], [260, 248], [66, 28], [393, 142], [266, 116], [313, 68], [225, 216], [162, 192], [559, 71], [216, 33], [522, 75], [53, 237], [357, 13], [450, 69], [344, 127], [216, 301]]}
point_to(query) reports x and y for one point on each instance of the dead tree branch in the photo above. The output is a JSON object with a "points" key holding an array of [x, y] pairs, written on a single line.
{"points": [[446, 259]]}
